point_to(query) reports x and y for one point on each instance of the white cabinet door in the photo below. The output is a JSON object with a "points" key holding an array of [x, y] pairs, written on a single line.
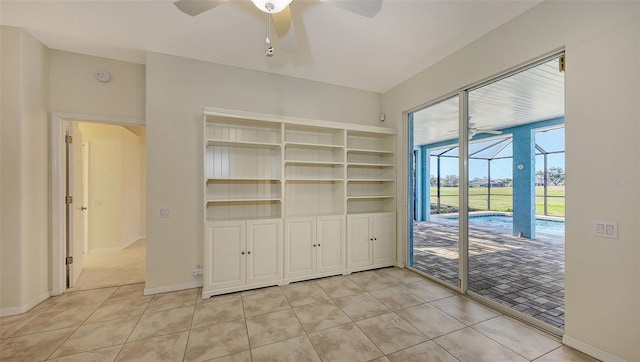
{"points": [[264, 251], [330, 248], [359, 230], [384, 248], [225, 262], [300, 247]]}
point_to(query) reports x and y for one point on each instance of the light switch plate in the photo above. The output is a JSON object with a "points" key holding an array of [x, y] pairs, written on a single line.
{"points": [[605, 229]]}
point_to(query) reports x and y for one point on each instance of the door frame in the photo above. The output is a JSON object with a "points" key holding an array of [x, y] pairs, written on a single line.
{"points": [[58, 187]]}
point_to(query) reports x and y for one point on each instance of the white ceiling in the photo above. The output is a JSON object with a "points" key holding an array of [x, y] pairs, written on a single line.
{"points": [[336, 46], [532, 95]]}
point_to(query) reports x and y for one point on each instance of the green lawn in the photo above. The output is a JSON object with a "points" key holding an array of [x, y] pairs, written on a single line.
{"points": [[501, 199]]}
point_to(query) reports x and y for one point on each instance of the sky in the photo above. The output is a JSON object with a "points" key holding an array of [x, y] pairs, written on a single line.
{"points": [[550, 141]]}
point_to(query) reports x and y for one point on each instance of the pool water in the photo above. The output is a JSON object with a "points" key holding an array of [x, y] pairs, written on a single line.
{"points": [[543, 226]]}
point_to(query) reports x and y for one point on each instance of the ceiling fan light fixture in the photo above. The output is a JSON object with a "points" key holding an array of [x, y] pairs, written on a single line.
{"points": [[271, 6]]}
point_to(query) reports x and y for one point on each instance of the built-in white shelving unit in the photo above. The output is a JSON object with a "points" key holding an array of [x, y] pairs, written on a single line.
{"points": [[280, 194]]}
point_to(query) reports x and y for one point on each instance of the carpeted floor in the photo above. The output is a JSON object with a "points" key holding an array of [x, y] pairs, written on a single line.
{"points": [[107, 269]]}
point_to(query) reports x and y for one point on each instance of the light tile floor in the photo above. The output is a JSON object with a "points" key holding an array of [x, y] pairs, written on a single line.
{"points": [[383, 315]]}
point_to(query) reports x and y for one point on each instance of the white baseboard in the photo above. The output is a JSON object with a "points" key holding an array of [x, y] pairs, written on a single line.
{"points": [[172, 288], [590, 350], [5, 312], [104, 250]]}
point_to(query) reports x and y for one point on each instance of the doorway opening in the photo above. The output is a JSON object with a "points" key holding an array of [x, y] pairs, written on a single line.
{"points": [[489, 207], [99, 202]]}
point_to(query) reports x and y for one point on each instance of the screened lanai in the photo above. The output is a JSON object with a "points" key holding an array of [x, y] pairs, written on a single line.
{"points": [[487, 187]]}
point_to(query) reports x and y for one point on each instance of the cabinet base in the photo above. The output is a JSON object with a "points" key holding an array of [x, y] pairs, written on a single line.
{"points": [[286, 281]]}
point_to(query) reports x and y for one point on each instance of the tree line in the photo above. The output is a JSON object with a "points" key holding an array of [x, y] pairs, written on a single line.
{"points": [[555, 175]]}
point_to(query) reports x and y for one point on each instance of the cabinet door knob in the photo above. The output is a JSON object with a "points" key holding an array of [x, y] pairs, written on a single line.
{"points": [[375, 239], [248, 252], [314, 245], [318, 244], [242, 253]]}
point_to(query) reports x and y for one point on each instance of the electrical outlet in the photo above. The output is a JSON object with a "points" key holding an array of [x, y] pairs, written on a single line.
{"points": [[197, 271], [165, 212]]}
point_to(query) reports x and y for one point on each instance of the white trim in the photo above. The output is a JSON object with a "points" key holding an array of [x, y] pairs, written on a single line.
{"points": [[58, 171], [172, 288], [128, 244], [84, 117], [25, 308], [295, 120], [590, 350], [105, 250]]}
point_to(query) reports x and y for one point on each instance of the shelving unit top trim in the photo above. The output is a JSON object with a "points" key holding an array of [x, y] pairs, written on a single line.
{"points": [[370, 130]]}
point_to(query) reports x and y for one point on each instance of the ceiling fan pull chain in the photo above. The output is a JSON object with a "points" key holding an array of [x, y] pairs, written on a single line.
{"points": [[269, 51], [268, 29]]}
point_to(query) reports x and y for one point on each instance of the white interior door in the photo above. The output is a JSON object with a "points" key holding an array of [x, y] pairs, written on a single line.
{"points": [[75, 209], [85, 194]]}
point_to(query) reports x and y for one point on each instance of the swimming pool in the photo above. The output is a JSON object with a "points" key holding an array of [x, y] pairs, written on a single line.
{"points": [[493, 221]]}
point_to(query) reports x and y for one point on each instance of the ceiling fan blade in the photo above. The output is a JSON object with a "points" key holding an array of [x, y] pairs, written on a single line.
{"points": [[196, 7], [368, 8], [488, 131], [287, 35]]}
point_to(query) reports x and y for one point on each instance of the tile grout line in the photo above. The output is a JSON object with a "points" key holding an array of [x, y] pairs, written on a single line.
{"points": [[246, 327], [126, 341], [193, 314], [81, 324]]}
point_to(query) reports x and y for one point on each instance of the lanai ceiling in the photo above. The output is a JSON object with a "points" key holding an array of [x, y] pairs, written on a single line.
{"points": [[535, 94], [336, 46]]}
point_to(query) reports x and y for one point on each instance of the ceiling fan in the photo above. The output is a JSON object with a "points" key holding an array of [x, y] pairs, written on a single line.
{"points": [[473, 130], [279, 12]]}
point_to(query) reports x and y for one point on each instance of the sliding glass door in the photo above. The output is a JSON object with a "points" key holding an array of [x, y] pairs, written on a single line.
{"points": [[436, 198], [486, 216]]}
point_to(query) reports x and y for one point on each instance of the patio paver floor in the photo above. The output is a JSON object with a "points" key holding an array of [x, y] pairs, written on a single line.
{"points": [[523, 274]]}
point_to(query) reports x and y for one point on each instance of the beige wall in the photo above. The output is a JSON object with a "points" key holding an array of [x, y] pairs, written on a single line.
{"points": [[143, 183], [131, 187], [75, 89], [24, 243], [115, 186], [602, 41], [177, 89]]}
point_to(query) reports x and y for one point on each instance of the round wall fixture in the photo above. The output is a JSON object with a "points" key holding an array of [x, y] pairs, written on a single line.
{"points": [[520, 166], [103, 76]]}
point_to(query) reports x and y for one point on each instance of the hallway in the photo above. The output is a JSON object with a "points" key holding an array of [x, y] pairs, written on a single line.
{"points": [[114, 268]]}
